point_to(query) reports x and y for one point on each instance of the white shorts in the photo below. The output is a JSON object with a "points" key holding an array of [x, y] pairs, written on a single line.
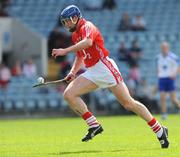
{"points": [[104, 73]]}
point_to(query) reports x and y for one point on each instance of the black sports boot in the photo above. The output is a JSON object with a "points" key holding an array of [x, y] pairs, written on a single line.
{"points": [[163, 139], [92, 132]]}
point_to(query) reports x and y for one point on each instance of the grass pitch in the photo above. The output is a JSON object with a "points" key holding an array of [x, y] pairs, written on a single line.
{"points": [[124, 136]]}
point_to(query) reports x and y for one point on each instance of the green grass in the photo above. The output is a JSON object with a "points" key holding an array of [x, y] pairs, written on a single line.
{"points": [[124, 136]]}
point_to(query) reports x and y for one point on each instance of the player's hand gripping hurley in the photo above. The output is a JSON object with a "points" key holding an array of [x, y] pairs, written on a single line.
{"points": [[50, 82]]}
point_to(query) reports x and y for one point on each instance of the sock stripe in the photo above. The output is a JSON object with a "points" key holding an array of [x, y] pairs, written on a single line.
{"points": [[87, 115], [94, 121], [90, 120], [156, 127], [152, 122]]}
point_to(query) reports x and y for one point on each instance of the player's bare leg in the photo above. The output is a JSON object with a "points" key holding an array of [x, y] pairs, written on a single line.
{"points": [[122, 94], [163, 105], [75, 89], [175, 100], [72, 95]]}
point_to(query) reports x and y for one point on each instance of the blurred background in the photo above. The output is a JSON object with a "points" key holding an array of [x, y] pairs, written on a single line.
{"points": [[132, 29]]}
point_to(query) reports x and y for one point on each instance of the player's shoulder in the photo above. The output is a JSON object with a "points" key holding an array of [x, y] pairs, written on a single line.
{"points": [[173, 56], [87, 24], [88, 27]]}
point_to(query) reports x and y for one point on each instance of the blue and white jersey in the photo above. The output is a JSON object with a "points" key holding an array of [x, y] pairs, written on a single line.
{"points": [[167, 65]]}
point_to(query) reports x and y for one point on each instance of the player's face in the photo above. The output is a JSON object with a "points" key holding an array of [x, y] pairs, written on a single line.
{"points": [[165, 48], [69, 24]]}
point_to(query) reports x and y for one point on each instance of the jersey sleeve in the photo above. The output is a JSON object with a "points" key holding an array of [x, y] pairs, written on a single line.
{"points": [[88, 31]]}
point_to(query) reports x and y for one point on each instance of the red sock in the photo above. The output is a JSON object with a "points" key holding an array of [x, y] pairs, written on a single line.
{"points": [[156, 127], [90, 119]]}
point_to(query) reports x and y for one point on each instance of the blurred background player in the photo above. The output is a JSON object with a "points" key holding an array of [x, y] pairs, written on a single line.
{"points": [[102, 72], [167, 64]]}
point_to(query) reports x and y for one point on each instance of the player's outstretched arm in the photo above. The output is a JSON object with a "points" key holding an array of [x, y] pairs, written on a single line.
{"points": [[83, 44]]}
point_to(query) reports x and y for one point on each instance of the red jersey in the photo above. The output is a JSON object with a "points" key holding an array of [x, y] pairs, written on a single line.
{"points": [[97, 51]]}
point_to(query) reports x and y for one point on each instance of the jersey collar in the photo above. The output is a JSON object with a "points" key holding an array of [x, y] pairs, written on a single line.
{"points": [[81, 22]]}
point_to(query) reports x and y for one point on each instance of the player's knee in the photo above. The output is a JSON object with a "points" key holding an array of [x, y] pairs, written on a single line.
{"points": [[174, 100], [67, 95]]}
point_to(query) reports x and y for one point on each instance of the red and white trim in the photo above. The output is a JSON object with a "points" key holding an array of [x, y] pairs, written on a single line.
{"points": [[156, 127], [109, 65], [113, 70], [90, 120], [87, 30]]}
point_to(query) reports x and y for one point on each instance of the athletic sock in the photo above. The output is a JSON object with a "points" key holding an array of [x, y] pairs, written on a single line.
{"points": [[90, 120], [156, 127]]}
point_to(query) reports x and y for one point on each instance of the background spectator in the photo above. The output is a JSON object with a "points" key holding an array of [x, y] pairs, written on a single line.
{"points": [[29, 69], [133, 79], [138, 24], [109, 4], [122, 51], [16, 70], [5, 75], [125, 23], [3, 12], [57, 39], [135, 53], [4, 8], [92, 5], [134, 74]]}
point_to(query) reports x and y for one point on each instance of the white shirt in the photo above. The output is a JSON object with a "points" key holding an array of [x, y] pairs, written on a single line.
{"points": [[5, 74], [29, 70], [167, 65]]}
